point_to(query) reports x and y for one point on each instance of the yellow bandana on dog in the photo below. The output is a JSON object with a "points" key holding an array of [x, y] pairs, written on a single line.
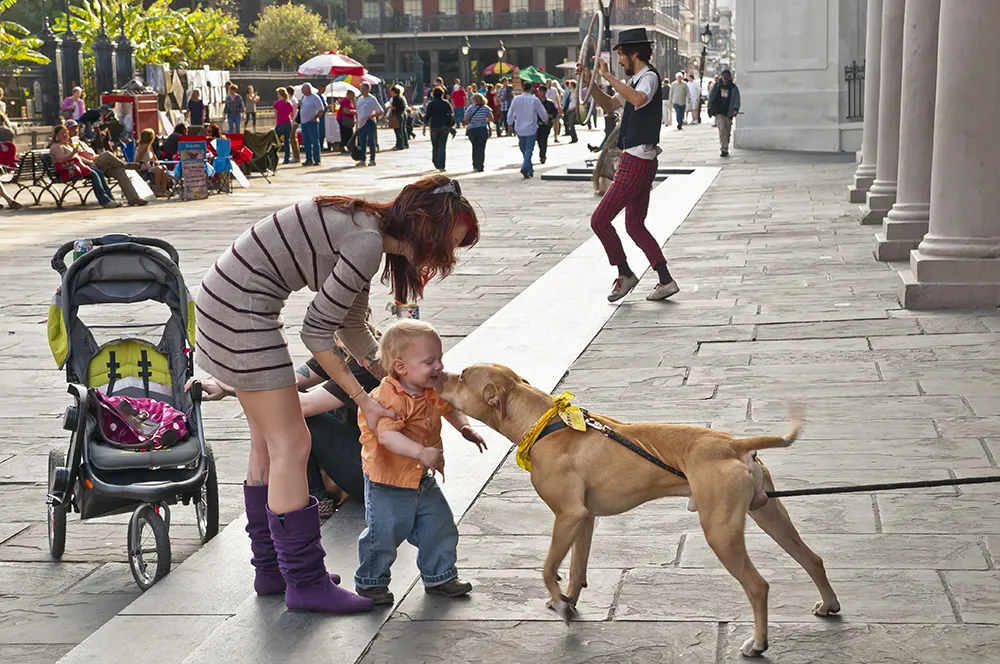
{"points": [[562, 406]]}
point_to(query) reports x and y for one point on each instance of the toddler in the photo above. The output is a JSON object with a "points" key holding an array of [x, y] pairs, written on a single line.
{"points": [[402, 499]]}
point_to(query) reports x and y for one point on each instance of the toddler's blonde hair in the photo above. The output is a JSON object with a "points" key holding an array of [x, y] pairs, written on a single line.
{"points": [[397, 339]]}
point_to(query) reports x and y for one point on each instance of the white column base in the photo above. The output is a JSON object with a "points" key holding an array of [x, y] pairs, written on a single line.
{"points": [[887, 250], [858, 192], [923, 296], [902, 230], [945, 282], [871, 216], [864, 177]]}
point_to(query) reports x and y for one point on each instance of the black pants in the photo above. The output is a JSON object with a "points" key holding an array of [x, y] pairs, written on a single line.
{"points": [[336, 448], [478, 137], [571, 119], [542, 139], [439, 143], [346, 131]]}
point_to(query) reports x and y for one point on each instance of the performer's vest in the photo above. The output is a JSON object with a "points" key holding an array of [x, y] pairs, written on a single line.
{"points": [[642, 127]]}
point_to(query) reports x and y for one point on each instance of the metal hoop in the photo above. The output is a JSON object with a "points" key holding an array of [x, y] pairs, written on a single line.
{"points": [[584, 111]]}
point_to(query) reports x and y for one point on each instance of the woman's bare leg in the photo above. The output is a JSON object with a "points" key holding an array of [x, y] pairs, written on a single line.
{"points": [[275, 417]]}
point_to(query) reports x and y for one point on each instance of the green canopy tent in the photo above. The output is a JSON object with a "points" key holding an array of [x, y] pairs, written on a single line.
{"points": [[536, 76]]}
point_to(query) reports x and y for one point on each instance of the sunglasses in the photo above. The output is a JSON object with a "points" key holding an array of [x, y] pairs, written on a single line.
{"points": [[452, 187]]}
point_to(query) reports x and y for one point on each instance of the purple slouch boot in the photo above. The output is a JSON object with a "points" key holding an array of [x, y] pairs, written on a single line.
{"points": [[267, 577], [300, 559]]}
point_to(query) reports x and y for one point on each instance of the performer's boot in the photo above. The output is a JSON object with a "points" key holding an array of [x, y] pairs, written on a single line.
{"points": [[300, 559]]}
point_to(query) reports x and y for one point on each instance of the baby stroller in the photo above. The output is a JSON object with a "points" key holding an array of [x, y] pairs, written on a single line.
{"points": [[96, 478]]}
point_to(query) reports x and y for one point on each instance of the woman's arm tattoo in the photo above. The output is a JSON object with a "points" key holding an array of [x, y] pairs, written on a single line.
{"points": [[373, 366]]}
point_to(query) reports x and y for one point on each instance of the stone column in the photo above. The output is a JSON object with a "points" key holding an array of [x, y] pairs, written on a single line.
{"points": [[882, 193], [907, 221], [72, 62], [539, 57], [957, 265], [436, 65], [865, 174], [51, 74]]}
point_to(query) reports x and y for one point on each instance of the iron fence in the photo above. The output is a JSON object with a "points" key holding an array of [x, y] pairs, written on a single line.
{"points": [[854, 76]]}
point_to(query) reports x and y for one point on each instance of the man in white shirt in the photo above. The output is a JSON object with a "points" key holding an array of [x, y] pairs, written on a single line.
{"points": [[694, 99], [638, 138], [368, 111], [526, 111]]}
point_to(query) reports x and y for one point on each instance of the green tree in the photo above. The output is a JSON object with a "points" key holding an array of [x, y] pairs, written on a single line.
{"points": [[16, 42], [353, 43], [160, 34], [210, 38], [289, 34]]}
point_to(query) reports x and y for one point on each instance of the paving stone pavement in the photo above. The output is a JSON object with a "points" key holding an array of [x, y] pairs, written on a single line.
{"points": [[46, 608], [781, 302]]}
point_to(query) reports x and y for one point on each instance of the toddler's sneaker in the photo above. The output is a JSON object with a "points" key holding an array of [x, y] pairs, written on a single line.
{"points": [[454, 588], [379, 595]]}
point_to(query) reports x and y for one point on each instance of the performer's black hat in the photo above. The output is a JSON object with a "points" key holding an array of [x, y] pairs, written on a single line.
{"points": [[632, 36]]}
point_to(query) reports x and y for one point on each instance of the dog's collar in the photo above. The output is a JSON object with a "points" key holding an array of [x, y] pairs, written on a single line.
{"points": [[569, 416]]}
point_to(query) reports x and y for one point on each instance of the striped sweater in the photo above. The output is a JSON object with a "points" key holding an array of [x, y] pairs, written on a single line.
{"points": [[334, 255]]}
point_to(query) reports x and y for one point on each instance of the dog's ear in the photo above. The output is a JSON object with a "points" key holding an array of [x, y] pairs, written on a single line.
{"points": [[496, 398]]}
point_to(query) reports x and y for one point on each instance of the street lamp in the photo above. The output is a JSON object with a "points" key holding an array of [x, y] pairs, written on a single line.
{"points": [[418, 65], [706, 37], [465, 53], [501, 53]]}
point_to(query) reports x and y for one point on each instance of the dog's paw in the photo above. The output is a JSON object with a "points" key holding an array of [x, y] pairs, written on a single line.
{"points": [[564, 607], [753, 649], [824, 610]]}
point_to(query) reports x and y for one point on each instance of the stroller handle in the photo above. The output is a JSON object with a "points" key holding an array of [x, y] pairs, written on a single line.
{"points": [[59, 259]]}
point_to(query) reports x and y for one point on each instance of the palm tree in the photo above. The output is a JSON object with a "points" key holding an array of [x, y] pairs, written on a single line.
{"points": [[16, 42]]}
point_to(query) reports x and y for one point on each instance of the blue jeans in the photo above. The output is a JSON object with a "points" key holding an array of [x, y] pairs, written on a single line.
{"points": [[478, 136], [233, 122], [101, 189], [366, 139], [679, 112], [527, 144], [459, 115], [310, 141], [419, 516], [285, 131]]}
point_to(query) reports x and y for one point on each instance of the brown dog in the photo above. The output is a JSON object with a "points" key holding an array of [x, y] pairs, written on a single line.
{"points": [[578, 475]]}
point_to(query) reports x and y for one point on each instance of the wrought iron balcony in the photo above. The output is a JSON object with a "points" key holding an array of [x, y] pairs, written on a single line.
{"points": [[399, 23]]}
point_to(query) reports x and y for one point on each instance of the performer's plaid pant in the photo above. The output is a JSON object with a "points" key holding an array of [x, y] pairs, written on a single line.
{"points": [[630, 190]]}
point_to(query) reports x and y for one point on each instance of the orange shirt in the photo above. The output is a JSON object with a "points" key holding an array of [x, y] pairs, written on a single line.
{"points": [[419, 420]]}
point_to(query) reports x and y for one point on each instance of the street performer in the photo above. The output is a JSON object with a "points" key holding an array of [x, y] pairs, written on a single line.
{"points": [[638, 140]]}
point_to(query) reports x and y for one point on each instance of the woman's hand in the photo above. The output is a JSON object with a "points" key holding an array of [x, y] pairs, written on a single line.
{"points": [[373, 410], [211, 389], [473, 436]]}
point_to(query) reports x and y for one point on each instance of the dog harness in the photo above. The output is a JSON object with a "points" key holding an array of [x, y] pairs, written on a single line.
{"points": [[579, 419]]}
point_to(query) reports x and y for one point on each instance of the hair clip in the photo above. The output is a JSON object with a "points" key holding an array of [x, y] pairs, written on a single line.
{"points": [[452, 188]]}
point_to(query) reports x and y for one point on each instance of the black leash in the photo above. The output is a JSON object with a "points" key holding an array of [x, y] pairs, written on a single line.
{"points": [[787, 493], [884, 486]]}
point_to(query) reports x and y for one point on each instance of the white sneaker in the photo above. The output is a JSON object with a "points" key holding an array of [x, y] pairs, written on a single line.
{"points": [[622, 287], [663, 291]]}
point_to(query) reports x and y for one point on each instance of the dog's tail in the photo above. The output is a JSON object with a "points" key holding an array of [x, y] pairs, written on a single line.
{"points": [[747, 445]]}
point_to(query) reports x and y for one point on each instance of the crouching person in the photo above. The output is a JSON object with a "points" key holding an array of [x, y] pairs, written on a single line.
{"points": [[402, 499]]}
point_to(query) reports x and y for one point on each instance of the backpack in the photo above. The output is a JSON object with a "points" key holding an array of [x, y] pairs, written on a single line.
{"points": [[136, 424]]}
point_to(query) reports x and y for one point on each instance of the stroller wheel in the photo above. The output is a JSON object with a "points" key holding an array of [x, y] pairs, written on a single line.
{"points": [[148, 547], [206, 506], [56, 512]]}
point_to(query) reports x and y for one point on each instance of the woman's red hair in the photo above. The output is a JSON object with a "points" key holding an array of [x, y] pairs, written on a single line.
{"points": [[424, 220]]}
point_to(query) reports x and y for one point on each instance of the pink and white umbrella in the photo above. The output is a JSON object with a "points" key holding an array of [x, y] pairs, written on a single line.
{"points": [[331, 64]]}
